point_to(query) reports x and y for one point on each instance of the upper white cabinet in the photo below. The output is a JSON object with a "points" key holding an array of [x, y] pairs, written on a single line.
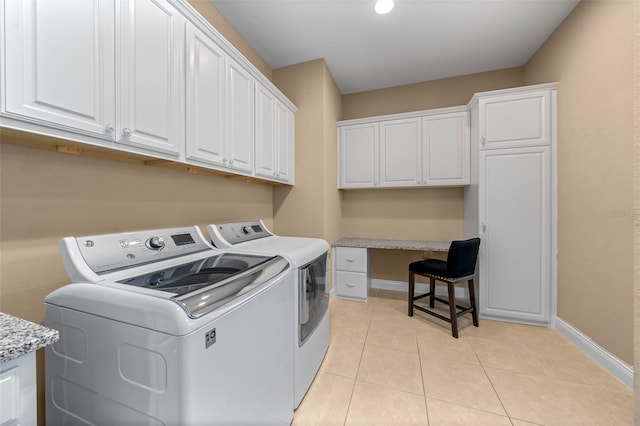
{"points": [[425, 148], [151, 100], [219, 106], [142, 76], [274, 137], [206, 102], [445, 154], [240, 117], [59, 63], [515, 120], [358, 155], [67, 67], [285, 153], [400, 147]]}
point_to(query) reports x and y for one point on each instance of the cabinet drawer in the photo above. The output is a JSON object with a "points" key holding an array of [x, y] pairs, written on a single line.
{"points": [[351, 259], [351, 284]]}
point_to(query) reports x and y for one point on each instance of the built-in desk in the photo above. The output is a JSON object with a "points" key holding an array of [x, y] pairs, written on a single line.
{"points": [[352, 261]]}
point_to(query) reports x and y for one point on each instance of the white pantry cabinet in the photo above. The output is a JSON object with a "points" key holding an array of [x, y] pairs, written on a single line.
{"points": [[67, 67], [510, 204], [423, 148], [274, 137]]}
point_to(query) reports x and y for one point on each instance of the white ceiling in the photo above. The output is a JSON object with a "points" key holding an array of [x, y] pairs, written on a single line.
{"points": [[419, 40]]}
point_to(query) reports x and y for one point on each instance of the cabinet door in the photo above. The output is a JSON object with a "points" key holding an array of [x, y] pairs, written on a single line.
{"points": [[240, 117], [358, 145], [151, 62], [284, 143], [206, 101], [265, 132], [400, 148], [446, 149], [59, 63], [515, 120], [515, 217]]}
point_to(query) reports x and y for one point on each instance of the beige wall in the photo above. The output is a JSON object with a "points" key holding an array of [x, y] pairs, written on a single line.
{"points": [[311, 208], [442, 93], [211, 14], [590, 56]]}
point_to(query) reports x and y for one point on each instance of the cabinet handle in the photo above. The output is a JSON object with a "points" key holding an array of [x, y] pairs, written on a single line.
{"points": [[484, 227], [350, 285], [126, 132], [484, 141], [109, 129], [230, 162], [350, 260]]}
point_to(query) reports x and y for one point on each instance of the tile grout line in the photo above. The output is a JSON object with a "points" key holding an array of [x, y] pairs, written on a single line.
{"points": [[355, 380], [424, 391], [491, 382]]}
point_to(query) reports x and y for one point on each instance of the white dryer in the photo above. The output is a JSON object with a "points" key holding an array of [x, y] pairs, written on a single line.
{"points": [[160, 328], [311, 290]]}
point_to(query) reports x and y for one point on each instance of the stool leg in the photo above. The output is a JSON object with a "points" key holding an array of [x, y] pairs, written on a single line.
{"points": [[472, 297], [452, 310], [412, 284], [432, 292]]}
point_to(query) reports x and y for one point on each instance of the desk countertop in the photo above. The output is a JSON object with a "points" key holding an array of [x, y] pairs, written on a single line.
{"points": [[19, 337], [383, 243]]}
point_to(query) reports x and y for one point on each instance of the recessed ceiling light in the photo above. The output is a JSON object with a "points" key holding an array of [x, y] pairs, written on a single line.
{"points": [[383, 6]]}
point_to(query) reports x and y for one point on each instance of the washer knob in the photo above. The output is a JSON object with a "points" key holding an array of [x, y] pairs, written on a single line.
{"points": [[155, 243], [246, 230]]}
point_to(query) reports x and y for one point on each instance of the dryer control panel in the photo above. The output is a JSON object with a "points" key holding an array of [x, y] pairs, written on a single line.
{"points": [[226, 235]]}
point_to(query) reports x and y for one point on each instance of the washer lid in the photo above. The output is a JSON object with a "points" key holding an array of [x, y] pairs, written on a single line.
{"points": [[202, 285]]}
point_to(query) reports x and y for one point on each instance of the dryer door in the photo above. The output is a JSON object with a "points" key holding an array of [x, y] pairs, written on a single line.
{"points": [[314, 296]]}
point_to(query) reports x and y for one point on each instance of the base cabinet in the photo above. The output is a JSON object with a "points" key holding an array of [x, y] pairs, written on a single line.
{"points": [[351, 272], [18, 391]]}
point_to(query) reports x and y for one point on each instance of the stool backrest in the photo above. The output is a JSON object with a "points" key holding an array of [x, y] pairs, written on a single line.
{"points": [[461, 260]]}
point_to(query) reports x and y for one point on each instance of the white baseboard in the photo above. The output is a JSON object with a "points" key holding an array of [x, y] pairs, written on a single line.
{"points": [[621, 370], [441, 290], [607, 360]]}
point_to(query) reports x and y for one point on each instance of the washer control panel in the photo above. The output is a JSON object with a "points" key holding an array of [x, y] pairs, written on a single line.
{"points": [[110, 252], [226, 235]]}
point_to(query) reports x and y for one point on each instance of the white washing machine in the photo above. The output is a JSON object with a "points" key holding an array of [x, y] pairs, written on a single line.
{"points": [[311, 290], [160, 328]]}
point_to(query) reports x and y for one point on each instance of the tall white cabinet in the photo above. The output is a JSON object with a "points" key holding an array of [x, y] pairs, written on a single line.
{"points": [[510, 203]]}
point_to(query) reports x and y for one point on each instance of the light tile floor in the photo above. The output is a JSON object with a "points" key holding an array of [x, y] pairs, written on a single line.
{"points": [[384, 368]]}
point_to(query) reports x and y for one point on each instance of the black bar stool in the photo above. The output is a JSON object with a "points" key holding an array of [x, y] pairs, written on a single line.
{"points": [[460, 266]]}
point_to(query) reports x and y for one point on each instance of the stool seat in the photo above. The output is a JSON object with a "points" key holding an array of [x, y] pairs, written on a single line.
{"points": [[460, 266]]}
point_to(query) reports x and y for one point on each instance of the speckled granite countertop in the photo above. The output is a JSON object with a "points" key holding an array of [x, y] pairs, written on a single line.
{"points": [[19, 337], [382, 243]]}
